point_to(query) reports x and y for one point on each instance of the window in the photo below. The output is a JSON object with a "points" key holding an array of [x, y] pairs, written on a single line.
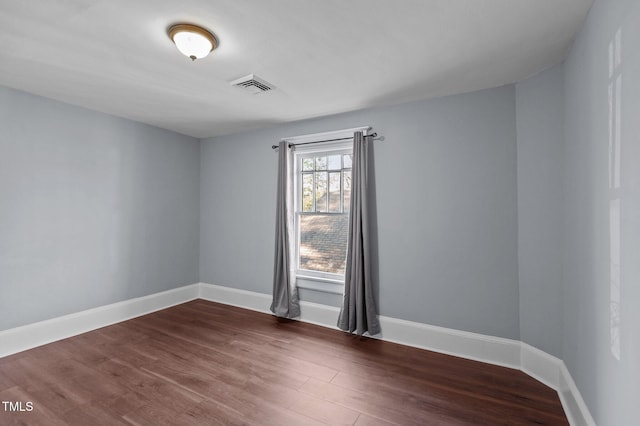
{"points": [[323, 192]]}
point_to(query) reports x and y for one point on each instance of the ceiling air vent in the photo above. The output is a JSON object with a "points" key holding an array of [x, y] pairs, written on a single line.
{"points": [[252, 84]]}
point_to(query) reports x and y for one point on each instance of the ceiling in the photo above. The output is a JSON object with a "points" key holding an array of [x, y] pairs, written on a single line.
{"points": [[323, 57]]}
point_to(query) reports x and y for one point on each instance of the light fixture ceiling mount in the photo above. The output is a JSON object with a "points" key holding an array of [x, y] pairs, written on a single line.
{"points": [[192, 41]]}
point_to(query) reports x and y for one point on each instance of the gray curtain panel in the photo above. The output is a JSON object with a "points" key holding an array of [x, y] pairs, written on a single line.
{"points": [[285, 293], [358, 311]]}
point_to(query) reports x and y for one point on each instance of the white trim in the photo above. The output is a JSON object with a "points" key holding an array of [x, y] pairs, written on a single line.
{"points": [[340, 146], [320, 284], [540, 365], [323, 315], [492, 350], [232, 296], [300, 153], [336, 134], [314, 313], [478, 347], [574, 406], [40, 333]]}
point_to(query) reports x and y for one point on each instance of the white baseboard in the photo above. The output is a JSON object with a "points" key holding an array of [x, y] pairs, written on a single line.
{"points": [[478, 347], [314, 313], [40, 333], [574, 406], [540, 365], [493, 350], [230, 296]]}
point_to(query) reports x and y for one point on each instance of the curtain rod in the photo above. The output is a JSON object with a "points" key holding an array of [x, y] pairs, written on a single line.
{"points": [[372, 135]]}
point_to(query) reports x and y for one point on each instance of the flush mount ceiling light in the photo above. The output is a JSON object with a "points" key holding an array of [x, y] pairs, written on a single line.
{"points": [[192, 41]]}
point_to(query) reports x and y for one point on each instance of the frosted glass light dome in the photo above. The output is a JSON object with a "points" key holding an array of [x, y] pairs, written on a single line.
{"points": [[192, 41]]}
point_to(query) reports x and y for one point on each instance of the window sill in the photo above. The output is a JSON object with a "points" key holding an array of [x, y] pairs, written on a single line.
{"points": [[325, 285]]}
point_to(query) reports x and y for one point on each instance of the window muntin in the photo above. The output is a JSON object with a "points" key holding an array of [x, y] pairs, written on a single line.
{"points": [[323, 194]]}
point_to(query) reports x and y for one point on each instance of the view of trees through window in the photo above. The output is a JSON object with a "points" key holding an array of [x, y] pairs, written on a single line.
{"points": [[324, 217]]}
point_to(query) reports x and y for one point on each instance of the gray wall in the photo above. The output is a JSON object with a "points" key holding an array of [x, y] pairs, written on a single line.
{"points": [[540, 124], [446, 209], [610, 386], [94, 209]]}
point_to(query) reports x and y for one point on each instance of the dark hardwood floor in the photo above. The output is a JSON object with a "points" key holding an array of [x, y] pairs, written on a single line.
{"points": [[203, 363]]}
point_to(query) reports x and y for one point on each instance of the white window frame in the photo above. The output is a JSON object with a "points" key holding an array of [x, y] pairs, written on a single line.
{"points": [[316, 280], [299, 154]]}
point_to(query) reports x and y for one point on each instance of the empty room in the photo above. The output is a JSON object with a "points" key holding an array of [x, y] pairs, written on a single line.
{"points": [[298, 212]]}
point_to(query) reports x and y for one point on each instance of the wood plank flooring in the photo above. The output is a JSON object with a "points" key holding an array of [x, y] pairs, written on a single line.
{"points": [[203, 363]]}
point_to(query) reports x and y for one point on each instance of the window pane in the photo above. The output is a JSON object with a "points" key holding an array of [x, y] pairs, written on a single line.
{"points": [[334, 192], [323, 242], [347, 161], [307, 192], [347, 190], [334, 162], [321, 191], [321, 163], [307, 164]]}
